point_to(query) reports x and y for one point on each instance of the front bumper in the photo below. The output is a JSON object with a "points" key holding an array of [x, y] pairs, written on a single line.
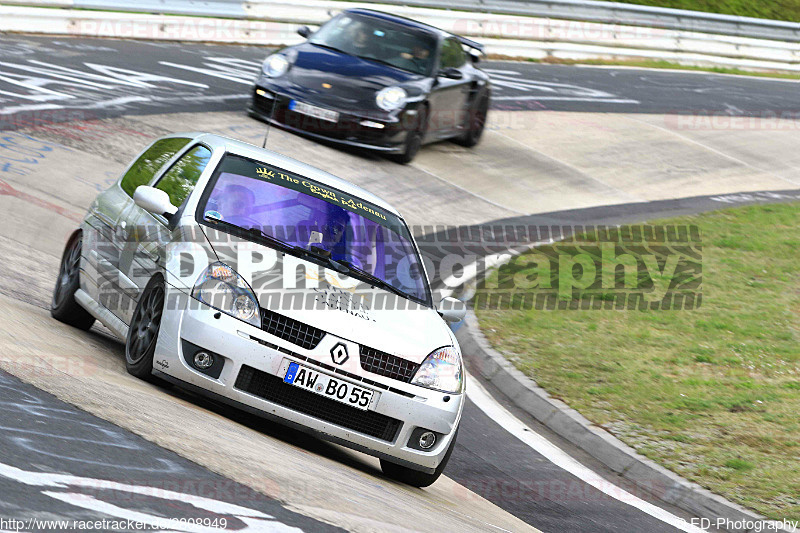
{"points": [[251, 378], [350, 130]]}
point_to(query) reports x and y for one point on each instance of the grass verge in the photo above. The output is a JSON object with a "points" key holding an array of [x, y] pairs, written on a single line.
{"points": [[653, 63], [712, 393], [783, 10]]}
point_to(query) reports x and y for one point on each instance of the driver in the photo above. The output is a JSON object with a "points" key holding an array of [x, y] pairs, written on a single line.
{"points": [[359, 37], [236, 205], [334, 233], [418, 57]]}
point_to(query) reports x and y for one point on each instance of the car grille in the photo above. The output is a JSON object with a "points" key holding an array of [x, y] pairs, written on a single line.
{"points": [[291, 330], [388, 365], [273, 389], [347, 128]]}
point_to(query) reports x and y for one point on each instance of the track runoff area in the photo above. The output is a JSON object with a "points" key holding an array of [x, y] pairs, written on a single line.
{"points": [[74, 111]]}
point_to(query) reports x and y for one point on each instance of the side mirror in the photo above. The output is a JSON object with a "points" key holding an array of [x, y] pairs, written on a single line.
{"points": [[154, 200], [452, 309], [475, 57], [452, 73], [304, 31]]}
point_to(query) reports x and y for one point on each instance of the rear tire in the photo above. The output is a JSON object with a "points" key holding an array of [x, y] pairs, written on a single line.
{"points": [[415, 478], [413, 139], [475, 124], [140, 345], [63, 306]]}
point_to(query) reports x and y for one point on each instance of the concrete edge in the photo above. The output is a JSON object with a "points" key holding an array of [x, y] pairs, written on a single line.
{"points": [[645, 474]]}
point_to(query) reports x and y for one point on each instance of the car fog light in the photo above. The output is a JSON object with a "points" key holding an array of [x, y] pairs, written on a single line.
{"points": [[203, 360], [426, 440]]}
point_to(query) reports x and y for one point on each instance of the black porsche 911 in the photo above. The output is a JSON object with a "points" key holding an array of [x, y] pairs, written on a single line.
{"points": [[378, 81]]}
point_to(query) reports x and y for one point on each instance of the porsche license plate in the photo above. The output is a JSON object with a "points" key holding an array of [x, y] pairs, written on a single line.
{"points": [[328, 386], [314, 111]]}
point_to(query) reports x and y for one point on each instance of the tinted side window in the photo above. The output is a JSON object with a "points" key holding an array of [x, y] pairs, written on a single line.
{"points": [[150, 162], [452, 54], [181, 178]]}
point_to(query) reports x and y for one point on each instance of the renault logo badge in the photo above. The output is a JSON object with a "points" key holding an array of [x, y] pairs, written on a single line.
{"points": [[339, 353]]}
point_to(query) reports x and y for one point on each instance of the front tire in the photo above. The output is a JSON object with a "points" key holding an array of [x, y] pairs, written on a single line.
{"points": [[140, 345], [63, 306], [415, 478], [413, 139], [475, 124]]}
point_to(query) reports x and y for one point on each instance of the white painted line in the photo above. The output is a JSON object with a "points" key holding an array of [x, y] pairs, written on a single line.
{"points": [[124, 100], [476, 195], [31, 107], [570, 99], [682, 71], [236, 73], [571, 167], [714, 150], [484, 401]]}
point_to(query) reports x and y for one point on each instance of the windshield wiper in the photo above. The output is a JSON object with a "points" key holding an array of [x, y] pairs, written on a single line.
{"points": [[329, 47], [373, 279], [343, 267], [283, 245], [383, 62]]}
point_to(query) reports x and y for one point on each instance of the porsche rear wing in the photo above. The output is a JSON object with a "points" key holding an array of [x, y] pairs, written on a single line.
{"points": [[470, 43]]}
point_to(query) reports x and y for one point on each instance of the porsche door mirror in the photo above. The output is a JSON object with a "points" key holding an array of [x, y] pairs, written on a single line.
{"points": [[452, 73], [154, 201], [304, 31]]}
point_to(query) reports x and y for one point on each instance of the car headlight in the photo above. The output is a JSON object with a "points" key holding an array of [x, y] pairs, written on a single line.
{"points": [[223, 288], [275, 66], [441, 371], [391, 98]]}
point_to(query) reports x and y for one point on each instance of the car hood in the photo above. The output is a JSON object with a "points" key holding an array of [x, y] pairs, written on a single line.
{"points": [[370, 317], [349, 80]]}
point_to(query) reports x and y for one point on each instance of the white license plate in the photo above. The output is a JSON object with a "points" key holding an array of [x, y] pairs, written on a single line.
{"points": [[314, 111], [328, 386]]}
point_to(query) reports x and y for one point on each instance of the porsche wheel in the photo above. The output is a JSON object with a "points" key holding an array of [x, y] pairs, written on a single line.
{"points": [[63, 306], [414, 139], [475, 124]]}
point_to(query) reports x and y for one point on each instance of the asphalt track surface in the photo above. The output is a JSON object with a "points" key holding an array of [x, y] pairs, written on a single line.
{"points": [[43, 78], [42, 434], [49, 79]]}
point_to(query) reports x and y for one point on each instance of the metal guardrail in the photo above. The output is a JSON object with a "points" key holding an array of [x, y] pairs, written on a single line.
{"points": [[625, 14], [579, 10], [274, 22]]}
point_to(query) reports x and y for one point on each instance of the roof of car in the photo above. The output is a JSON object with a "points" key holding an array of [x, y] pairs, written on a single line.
{"points": [[414, 24], [287, 163], [398, 19]]}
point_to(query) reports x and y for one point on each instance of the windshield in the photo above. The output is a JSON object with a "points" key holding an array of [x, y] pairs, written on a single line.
{"points": [[306, 214], [401, 46]]}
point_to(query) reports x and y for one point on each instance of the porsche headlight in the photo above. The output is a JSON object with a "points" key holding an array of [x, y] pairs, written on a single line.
{"points": [[223, 288], [441, 371], [275, 66], [391, 98]]}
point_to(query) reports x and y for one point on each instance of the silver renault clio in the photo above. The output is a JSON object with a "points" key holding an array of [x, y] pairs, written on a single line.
{"points": [[274, 286]]}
